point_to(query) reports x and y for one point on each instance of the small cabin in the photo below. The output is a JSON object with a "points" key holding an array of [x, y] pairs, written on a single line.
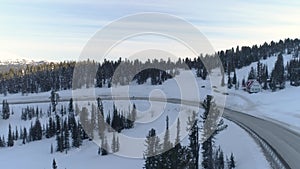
{"points": [[253, 86]]}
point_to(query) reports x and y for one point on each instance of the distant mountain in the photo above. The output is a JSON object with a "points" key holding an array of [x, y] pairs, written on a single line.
{"points": [[21, 62], [18, 64]]}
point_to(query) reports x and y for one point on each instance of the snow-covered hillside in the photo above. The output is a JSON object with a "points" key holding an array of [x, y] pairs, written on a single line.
{"points": [[280, 106], [232, 140]]}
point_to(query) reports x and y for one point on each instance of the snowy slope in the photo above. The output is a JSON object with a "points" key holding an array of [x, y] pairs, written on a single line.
{"points": [[281, 106], [36, 155]]}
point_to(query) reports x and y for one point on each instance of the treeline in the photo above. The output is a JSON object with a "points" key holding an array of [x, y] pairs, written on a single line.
{"points": [[237, 58], [59, 76]]}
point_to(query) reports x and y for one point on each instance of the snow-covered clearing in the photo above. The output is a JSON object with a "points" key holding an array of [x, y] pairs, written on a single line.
{"points": [[36, 155], [280, 106]]}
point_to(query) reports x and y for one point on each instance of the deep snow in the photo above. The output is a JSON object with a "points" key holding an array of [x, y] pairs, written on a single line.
{"points": [[280, 106], [36, 155]]}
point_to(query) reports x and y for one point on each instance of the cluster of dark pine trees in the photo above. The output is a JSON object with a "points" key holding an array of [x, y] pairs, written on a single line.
{"points": [[117, 123], [293, 71], [69, 131], [59, 76], [5, 110], [120, 120], [35, 133], [30, 112], [279, 75], [53, 128], [168, 155], [65, 131], [236, 59]]}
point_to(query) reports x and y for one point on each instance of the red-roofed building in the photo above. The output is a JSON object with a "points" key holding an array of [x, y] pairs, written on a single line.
{"points": [[253, 86]]}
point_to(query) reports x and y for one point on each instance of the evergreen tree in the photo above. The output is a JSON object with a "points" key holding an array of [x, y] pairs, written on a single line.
{"points": [[204, 73], [252, 74], [237, 85], [211, 126], [82, 134], [99, 151], [59, 146], [52, 129], [5, 110], [2, 142], [243, 83], [75, 136], [265, 78], [114, 144], [54, 100], [116, 120], [104, 146], [47, 131], [17, 134], [54, 166], [167, 145], [92, 125], [166, 157], [108, 121], [99, 77], [67, 136], [84, 121], [231, 163], [37, 132], [222, 81], [219, 159], [234, 79], [277, 75], [229, 82], [151, 153], [100, 122], [71, 107], [51, 149], [24, 136], [177, 139], [193, 141], [259, 72], [178, 155], [133, 114], [57, 125], [10, 139], [118, 145]]}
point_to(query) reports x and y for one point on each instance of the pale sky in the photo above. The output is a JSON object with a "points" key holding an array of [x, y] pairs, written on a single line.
{"points": [[52, 30]]}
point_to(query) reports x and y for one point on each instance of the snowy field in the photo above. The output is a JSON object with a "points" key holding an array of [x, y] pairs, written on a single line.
{"points": [[36, 155], [280, 106]]}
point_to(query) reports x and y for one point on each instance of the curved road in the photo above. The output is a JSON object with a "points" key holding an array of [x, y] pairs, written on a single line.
{"points": [[283, 141]]}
